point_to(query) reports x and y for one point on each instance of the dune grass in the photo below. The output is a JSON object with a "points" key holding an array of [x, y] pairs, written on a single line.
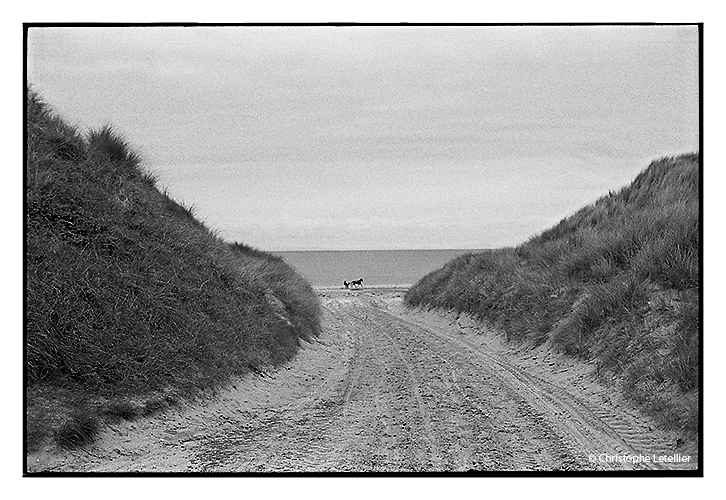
{"points": [[617, 283], [128, 296]]}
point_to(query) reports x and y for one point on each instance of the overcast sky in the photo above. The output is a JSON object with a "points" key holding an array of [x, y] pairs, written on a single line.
{"points": [[381, 137]]}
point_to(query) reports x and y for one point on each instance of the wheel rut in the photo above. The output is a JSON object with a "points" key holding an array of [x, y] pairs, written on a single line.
{"points": [[388, 390]]}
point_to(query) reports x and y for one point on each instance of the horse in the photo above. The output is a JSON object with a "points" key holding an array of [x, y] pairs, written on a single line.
{"points": [[356, 283], [346, 284]]}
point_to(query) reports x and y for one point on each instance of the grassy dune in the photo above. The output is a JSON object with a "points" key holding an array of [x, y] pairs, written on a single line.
{"points": [[617, 283], [132, 304]]}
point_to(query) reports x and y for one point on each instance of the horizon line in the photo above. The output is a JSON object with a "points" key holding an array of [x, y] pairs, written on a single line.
{"points": [[375, 249]]}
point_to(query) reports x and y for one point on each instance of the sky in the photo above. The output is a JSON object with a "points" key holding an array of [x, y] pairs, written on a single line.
{"points": [[305, 138]]}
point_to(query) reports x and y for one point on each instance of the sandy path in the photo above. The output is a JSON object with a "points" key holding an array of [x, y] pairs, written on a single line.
{"points": [[387, 389]]}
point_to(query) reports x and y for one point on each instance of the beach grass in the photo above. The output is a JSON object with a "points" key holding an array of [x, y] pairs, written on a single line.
{"points": [[131, 302], [617, 283]]}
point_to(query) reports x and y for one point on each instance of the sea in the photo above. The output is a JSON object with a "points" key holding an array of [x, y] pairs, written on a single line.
{"points": [[378, 268]]}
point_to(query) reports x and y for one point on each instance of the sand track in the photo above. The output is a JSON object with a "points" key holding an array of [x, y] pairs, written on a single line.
{"points": [[385, 389]]}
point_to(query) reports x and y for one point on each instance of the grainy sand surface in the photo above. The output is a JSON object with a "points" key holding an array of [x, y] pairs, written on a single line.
{"points": [[386, 389]]}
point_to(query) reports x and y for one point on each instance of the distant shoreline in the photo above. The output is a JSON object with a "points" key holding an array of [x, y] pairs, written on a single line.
{"points": [[377, 288], [378, 268], [380, 250]]}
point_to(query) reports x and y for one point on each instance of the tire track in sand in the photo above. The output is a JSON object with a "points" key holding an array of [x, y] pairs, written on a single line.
{"points": [[381, 390], [413, 385], [514, 434], [594, 430]]}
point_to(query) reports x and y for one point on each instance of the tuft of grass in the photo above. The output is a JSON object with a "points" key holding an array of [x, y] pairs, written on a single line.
{"points": [[80, 429], [684, 346], [122, 410], [36, 434], [108, 145], [128, 295], [156, 405], [617, 283]]}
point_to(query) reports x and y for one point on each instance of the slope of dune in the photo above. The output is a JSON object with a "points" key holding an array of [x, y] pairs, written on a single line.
{"points": [[132, 303], [616, 284]]}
